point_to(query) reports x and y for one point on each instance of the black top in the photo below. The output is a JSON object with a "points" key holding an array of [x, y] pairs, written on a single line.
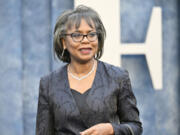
{"points": [[80, 100]]}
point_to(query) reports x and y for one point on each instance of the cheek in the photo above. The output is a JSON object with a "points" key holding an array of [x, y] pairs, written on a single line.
{"points": [[70, 45]]}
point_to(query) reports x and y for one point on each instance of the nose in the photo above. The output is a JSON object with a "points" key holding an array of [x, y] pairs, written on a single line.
{"points": [[85, 39]]}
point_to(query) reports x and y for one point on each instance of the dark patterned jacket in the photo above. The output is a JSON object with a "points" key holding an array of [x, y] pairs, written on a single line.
{"points": [[110, 100]]}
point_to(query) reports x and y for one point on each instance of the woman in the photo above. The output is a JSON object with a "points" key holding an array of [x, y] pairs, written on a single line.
{"points": [[86, 96]]}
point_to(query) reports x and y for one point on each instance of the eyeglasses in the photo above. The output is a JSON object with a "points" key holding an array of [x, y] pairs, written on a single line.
{"points": [[78, 37]]}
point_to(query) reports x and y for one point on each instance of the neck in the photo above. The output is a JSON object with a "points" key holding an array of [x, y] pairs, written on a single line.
{"points": [[81, 69]]}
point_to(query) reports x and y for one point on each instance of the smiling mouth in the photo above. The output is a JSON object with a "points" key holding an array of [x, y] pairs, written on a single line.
{"points": [[85, 50]]}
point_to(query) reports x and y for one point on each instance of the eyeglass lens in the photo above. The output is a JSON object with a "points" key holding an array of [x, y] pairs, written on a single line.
{"points": [[78, 37]]}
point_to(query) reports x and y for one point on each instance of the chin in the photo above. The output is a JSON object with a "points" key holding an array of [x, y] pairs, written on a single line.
{"points": [[85, 59]]}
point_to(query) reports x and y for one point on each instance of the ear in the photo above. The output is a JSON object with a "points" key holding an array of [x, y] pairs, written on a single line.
{"points": [[63, 43]]}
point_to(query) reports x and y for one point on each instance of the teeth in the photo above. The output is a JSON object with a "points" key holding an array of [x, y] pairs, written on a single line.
{"points": [[85, 49]]}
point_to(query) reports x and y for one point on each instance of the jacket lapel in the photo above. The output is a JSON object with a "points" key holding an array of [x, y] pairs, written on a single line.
{"points": [[71, 104], [64, 84], [98, 80]]}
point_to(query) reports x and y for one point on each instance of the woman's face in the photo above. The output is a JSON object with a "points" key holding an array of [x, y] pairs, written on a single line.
{"points": [[84, 50]]}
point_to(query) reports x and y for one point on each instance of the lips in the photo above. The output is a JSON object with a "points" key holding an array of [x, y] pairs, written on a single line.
{"points": [[85, 50]]}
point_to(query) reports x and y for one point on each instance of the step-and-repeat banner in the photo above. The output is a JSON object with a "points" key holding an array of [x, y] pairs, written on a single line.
{"points": [[142, 36]]}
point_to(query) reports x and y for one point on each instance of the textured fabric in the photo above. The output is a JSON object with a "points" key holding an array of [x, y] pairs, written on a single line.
{"points": [[110, 100]]}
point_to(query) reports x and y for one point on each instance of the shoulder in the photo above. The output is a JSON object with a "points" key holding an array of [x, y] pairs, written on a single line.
{"points": [[50, 79], [115, 72], [58, 73]]}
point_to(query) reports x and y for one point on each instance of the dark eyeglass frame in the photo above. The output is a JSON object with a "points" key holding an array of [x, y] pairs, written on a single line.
{"points": [[83, 35]]}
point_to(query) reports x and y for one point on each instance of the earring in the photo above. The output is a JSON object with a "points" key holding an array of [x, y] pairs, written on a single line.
{"points": [[62, 54]]}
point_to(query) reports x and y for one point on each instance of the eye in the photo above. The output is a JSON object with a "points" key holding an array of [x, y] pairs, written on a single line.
{"points": [[92, 34], [76, 35]]}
